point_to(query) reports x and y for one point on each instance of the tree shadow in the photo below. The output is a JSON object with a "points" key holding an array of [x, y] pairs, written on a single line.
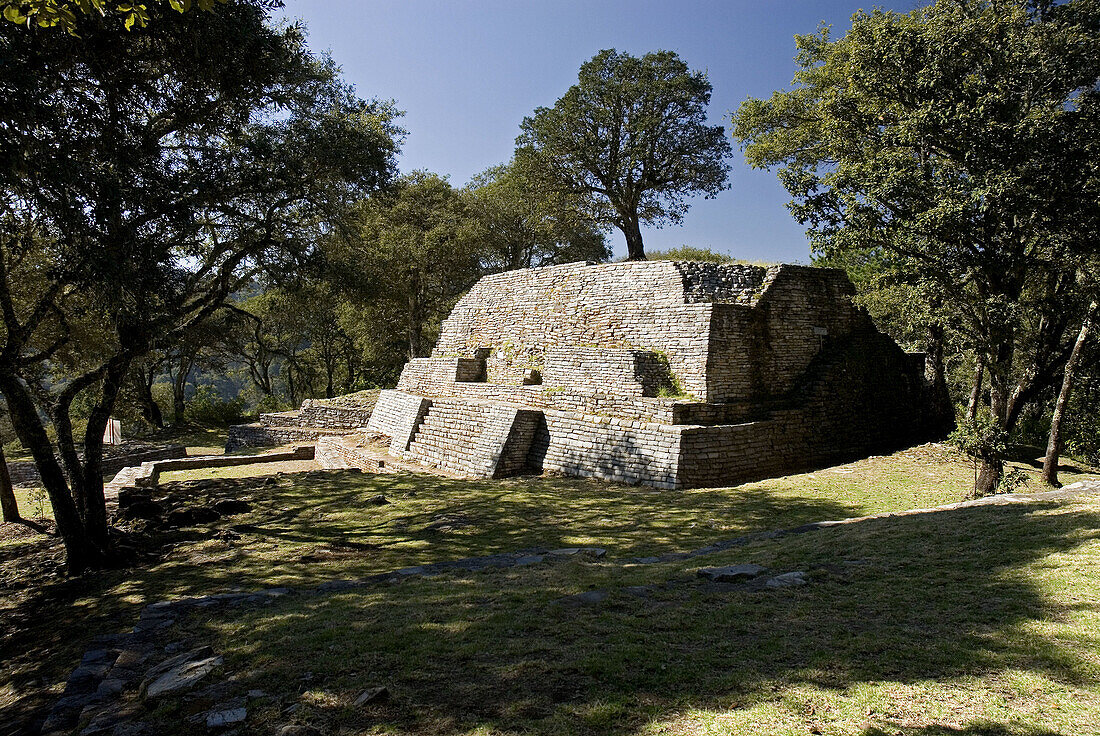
{"points": [[47, 632], [976, 729], [900, 600], [925, 597]]}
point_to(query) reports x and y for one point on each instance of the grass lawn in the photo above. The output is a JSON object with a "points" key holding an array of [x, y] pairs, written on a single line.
{"points": [[198, 440], [983, 621], [909, 624]]}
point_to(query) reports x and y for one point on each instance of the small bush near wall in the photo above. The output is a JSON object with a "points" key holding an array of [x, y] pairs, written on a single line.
{"points": [[207, 407]]}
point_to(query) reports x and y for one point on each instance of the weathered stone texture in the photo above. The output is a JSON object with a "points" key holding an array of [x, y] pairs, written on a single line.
{"points": [[25, 472], [316, 418], [670, 374], [397, 415]]}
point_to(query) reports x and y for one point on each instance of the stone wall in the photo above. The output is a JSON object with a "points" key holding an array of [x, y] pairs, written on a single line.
{"points": [[25, 472], [474, 439], [397, 416], [637, 306], [333, 452], [721, 282], [617, 371], [628, 451], [776, 368], [258, 435], [418, 379], [320, 415]]}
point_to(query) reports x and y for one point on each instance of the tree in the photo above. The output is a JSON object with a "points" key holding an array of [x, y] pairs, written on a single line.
{"points": [[691, 253], [413, 251], [196, 172], [142, 377], [526, 224], [630, 139], [9, 505], [958, 139], [64, 14], [1055, 439]]}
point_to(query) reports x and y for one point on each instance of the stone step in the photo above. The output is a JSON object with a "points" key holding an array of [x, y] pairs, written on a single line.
{"points": [[474, 439]]}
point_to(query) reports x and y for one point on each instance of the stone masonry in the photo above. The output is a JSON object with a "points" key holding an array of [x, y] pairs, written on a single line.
{"points": [[673, 375]]}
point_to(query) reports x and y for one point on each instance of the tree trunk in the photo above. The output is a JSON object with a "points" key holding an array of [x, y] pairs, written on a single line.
{"points": [[1000, 372], [1054, 443], [634, 249], [150, 410], [8, 505], [96, 517], [80, 553], [179, 388], [976, 390]]}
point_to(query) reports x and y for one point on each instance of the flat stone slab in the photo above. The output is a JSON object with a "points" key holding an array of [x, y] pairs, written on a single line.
{"points": [[585, 598], [572, 551], [787, 580], [224, 718], [732, 573], [179, 673]]}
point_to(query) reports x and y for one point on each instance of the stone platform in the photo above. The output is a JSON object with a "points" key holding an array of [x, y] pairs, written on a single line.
{"points": [[673, 375]]}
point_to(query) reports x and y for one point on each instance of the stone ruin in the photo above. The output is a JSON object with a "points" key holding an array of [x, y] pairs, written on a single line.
{"points": [[667, 374]]}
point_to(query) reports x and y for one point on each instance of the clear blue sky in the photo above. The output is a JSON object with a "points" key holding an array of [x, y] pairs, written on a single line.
{"points": [[466, 72]]}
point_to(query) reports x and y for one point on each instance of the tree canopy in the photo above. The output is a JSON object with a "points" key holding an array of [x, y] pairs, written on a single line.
{"points": [[65, 14], [956, 143], [141, 184], [527, 224], [630, 138]]}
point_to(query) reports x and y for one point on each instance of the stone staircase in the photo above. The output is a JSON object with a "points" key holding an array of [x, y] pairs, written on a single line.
{"points": [[475, 439]]}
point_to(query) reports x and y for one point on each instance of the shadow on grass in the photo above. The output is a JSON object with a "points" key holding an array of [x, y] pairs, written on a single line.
{"points": [[933, 597], [977, 729], [910, 600], [315, 527]]}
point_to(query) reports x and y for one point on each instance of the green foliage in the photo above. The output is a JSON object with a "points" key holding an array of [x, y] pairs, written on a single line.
{"points": [[674, 389], [141, 185], [1082, 424], [267, 405], [524, 223], [690, 253], [63, 14], [947, 147], [982, 440], [207, 407], [630, 141], [412, 252]]}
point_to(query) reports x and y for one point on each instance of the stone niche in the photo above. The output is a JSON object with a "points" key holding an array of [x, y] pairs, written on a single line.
{"points": [[668, 374]]}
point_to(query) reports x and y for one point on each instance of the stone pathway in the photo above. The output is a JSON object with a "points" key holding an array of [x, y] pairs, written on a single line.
{"points": [[114, 677]]}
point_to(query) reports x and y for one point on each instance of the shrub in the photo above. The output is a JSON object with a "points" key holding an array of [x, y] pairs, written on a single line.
{"points": [[207, 407]]}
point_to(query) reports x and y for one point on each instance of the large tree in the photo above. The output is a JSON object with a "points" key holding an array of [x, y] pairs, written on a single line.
{"points": [[955, 140], [410, 255], [144, 177], [527, 224], [631, 138]]}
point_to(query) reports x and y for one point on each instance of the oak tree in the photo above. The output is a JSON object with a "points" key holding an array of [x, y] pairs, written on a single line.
{"points": [[145, 176], [631, 138], [958, 139]]}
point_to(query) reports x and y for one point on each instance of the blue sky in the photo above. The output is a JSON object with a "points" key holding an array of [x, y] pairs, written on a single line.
{"points": [[466, 72]]}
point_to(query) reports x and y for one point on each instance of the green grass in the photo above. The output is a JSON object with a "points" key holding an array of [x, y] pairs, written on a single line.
{"points": [[198, 440], [980, 621], [252, 470], [33, 503], [952, 616]]}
